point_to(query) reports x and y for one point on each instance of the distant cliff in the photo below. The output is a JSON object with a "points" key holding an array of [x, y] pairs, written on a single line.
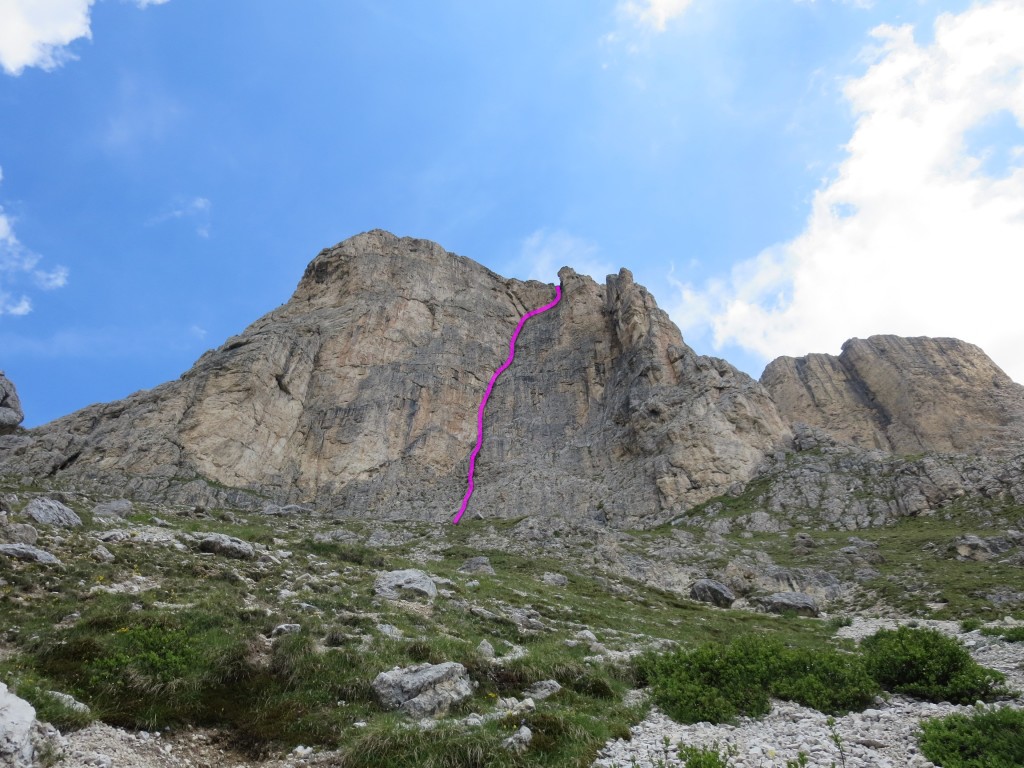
{"points": [[907, 395]]}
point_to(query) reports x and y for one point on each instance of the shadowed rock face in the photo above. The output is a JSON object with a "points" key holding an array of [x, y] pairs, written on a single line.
{"points": [[11, 414], [361, 393], [907, 395]]}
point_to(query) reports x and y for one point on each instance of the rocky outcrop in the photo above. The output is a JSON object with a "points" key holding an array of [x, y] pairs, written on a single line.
{"points": [[905, 395], [11, 414], [360, 395]]}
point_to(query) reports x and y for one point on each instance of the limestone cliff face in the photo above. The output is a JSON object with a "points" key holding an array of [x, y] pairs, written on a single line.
{"points": [[360, 395], [907, 395]]}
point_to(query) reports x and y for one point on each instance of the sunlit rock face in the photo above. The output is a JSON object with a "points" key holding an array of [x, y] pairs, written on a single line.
{"points": [[905, 395], [360, 394]]}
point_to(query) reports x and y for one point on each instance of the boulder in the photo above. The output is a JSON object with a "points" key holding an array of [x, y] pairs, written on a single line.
{"points": [[423, 690], [49, 512], [28, 553], [784, 602], [228, 546], [19, 533], [477, 565], [554, 579], [388, 585], [11, 414], [17, 724], [485, 649], [711, 591], [115, 508], [70, 702], [971, 547]]}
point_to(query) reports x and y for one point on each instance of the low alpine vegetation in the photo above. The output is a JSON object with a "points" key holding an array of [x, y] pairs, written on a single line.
{"points": [[985, 739], [929, 665], [716, 683]]}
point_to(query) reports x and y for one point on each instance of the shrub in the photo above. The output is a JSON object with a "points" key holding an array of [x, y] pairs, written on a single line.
{"points": [[828, 681], [704, 757], [992, 739], [929, 665], [715, 683], [969, 625]]}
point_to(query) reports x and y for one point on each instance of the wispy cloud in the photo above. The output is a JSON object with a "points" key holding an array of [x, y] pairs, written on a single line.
{"points": [[914, 235], [653, 14], [545, 251], [18, 267], [196, 210], [147, 3]]}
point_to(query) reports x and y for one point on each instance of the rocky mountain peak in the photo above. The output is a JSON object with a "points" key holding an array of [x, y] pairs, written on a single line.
{"points": [[907, 395], [361, 393]]}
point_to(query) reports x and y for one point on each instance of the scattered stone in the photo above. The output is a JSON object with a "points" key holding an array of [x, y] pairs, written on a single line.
{"points": [[70, 702], [543, 689], [388, 584], [286, 629], [286, 510], [519, 741], [49, 512], [555, 579], [587, 635], [389, 630], [116, 508], [477, 565], [424, 690], [229, 546], [711, 591], [28, 553]]}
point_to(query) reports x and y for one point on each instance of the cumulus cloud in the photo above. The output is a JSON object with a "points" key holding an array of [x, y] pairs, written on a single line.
{"points": [[35, 34], [919, 232], [545, 251], [653, 14], [18, 266]]}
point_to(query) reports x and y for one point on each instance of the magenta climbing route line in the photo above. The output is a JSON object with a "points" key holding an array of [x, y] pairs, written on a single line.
{"points": [[487, 394]]}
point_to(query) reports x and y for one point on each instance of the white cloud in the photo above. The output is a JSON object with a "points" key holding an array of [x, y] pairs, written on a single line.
{"points": [[654, 14], [911, 236], [35, 33], [545, 252], [18, 263]]}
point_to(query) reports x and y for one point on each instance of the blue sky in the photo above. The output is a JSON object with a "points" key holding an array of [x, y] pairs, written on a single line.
{"points": [[782, 175]]}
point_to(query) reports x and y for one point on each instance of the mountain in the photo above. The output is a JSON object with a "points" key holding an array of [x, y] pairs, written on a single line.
{"points": [[360, 394], [906, 395], [255, 564]]}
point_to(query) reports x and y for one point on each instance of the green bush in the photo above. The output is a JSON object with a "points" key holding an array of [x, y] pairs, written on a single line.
{"points": [[992, 739], [828, 681], [704, 757], [927, 664], [716, 683]]}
